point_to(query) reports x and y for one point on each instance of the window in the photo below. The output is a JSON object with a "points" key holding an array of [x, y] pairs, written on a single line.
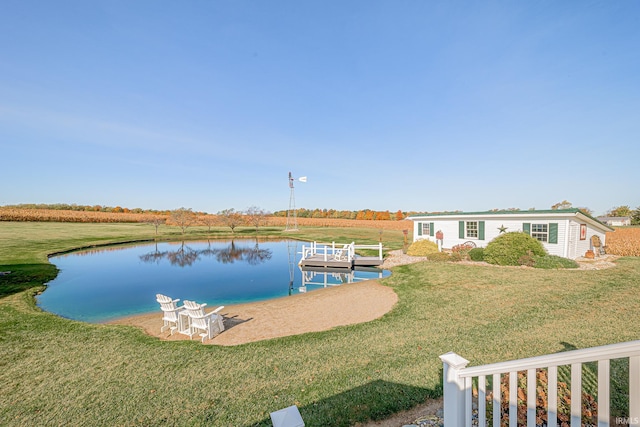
{"points": [[425, 229], [547, 233], [540, 232], [472, 229]]}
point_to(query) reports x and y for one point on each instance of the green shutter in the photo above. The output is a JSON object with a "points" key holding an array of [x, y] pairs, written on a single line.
{"points": [[419, 229], [526, 228], [461, 229], [553, 232], [431, 227], [481, 230]]}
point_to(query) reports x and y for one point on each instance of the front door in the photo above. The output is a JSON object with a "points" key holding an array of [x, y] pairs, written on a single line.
{"points": [[573, 241]]}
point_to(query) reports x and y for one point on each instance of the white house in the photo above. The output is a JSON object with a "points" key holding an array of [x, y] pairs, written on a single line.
{"points": [[564, 232], [619, 221]]}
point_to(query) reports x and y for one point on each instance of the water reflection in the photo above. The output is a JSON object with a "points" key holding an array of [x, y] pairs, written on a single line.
{"points": [[325, 277], [186, 256]]}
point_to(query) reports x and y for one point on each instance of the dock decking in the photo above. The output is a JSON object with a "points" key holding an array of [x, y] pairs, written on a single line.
{"points": [[319, 261]]}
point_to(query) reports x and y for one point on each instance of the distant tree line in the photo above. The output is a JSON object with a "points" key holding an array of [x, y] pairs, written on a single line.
{"points": [[85, 208], [364, 214]]}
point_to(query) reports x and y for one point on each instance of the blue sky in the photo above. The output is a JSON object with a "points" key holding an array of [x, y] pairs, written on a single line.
{"points": [[384, 105]]}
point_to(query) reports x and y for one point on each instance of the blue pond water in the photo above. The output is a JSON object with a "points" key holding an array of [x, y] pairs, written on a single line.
{"points": [[103, 284]]}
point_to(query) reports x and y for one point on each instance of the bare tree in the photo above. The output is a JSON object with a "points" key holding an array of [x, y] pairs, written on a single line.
{"points": [[157, 222], [183, 218], [255, 216], [209, 221], [230, 218]]}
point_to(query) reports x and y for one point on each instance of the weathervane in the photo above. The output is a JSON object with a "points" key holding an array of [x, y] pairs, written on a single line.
{"points": [[292, 218]]}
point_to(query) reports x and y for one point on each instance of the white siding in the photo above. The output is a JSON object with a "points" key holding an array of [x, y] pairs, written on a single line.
{"points": [[565, 247]]}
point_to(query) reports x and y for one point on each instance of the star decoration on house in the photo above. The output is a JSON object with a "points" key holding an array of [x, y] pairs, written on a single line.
{"points": [[502, 229]]}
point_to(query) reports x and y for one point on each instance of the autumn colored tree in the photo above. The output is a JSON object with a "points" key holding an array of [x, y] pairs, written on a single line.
{"points": [[399, 215], [562, 205], [255, 216], [208, 220], [382, 216], [183, 218], [620, 211], [586, 211], [231, 218]]}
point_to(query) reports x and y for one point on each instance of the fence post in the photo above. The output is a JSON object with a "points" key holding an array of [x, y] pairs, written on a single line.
{"points": [[453, 389]]}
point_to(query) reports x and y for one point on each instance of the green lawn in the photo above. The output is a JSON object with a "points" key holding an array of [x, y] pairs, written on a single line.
{"points": [[60, 372]]}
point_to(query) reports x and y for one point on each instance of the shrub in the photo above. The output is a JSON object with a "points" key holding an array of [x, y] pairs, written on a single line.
{"points": [[553, 261], [509, 248], [439, 257], [527, 260], [456, 256], [422, 247], [461, 252], [476, 254]]}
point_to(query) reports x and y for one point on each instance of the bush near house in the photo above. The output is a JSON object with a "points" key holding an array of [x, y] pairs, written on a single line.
{"points": [[476, 254], [461, 252], [440, 257], [512, 249], [422, 248], [553, 261]]}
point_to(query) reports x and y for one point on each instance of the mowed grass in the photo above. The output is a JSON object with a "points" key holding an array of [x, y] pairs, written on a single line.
{"points": [[60, 372]]}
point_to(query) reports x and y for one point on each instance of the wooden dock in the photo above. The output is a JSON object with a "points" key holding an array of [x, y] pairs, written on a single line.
{"points": [[332, 255]]}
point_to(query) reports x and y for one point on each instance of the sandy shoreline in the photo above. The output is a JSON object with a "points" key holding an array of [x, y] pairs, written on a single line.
{"points": [[315, 311]]}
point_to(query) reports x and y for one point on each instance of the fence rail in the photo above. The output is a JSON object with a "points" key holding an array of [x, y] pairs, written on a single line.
{"points": [[458, 380], [335, 250]]}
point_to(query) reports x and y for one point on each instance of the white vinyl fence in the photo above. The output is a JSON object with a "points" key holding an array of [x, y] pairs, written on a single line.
{"points": [[459, 399]]}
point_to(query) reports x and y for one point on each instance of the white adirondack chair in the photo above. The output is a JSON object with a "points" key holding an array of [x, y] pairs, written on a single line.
{"points": [[170, 312], [207, 324], [342, 254]]}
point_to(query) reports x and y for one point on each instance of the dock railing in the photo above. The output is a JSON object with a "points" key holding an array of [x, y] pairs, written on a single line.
{"points": [[331, 250], [459, 399]]}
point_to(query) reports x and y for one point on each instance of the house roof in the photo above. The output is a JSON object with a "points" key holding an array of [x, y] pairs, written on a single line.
{"points": [[513, 213]]}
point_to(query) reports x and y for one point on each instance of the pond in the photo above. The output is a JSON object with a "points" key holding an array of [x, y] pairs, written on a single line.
{"points": [[103, 284]]}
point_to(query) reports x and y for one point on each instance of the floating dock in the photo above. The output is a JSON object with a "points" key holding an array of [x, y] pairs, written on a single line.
{"points": [[332, 255]]}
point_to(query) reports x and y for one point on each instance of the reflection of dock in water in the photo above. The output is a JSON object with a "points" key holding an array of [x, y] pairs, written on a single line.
{"points": [[325, 277], [343, 256]]}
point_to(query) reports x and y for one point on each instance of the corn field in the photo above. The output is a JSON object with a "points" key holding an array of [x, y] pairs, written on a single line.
{"points": [[57, 215], [624, 242]]}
